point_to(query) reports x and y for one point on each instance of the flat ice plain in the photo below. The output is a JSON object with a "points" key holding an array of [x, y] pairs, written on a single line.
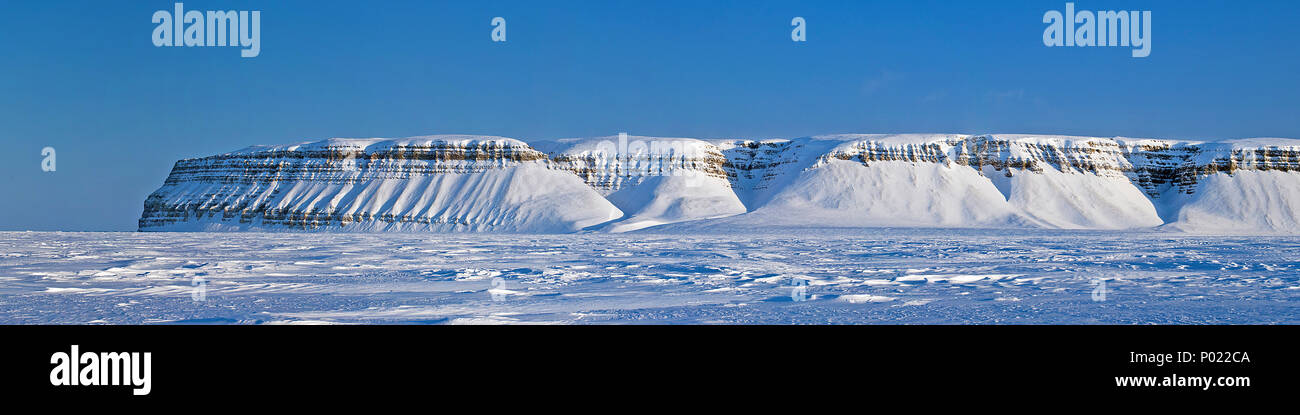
{"points": [[855, 276]]}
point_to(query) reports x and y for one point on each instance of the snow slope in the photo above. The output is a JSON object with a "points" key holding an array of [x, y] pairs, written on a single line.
{"points": [[1251, 200], [1081, 201], [890, 193]]}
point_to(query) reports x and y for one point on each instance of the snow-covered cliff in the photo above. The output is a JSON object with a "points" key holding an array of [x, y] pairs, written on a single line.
{"points": [[436, 183], [478, 183]]}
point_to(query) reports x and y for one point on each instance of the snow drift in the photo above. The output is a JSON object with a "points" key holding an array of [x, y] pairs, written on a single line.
{"points": [[619, 184]]}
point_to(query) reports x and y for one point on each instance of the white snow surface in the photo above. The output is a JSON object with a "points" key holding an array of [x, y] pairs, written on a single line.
{"points": [[854, 276], [890, 194]]}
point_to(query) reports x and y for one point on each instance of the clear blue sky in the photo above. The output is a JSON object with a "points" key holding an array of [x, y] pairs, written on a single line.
{"points": [[84, 78]]}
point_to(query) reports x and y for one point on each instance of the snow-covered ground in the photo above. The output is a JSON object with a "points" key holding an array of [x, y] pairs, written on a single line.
{"points": [[861, 276]]}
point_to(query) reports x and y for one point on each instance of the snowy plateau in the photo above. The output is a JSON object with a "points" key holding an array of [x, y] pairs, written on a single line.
{"points": [[845, 229], [502, 185]]}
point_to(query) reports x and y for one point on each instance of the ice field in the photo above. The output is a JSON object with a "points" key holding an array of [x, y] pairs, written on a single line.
{"points": [[852, 276]]}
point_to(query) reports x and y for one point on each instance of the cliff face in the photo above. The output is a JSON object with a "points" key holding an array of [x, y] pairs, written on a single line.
{"points": [[474, 183], [1089, 182], [425, 183], [1159, 166], [653, 180], [1151, 163], [607, 165]]}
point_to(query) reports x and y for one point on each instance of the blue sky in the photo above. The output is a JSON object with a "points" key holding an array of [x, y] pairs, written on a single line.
{"points": [[84, 78]]}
